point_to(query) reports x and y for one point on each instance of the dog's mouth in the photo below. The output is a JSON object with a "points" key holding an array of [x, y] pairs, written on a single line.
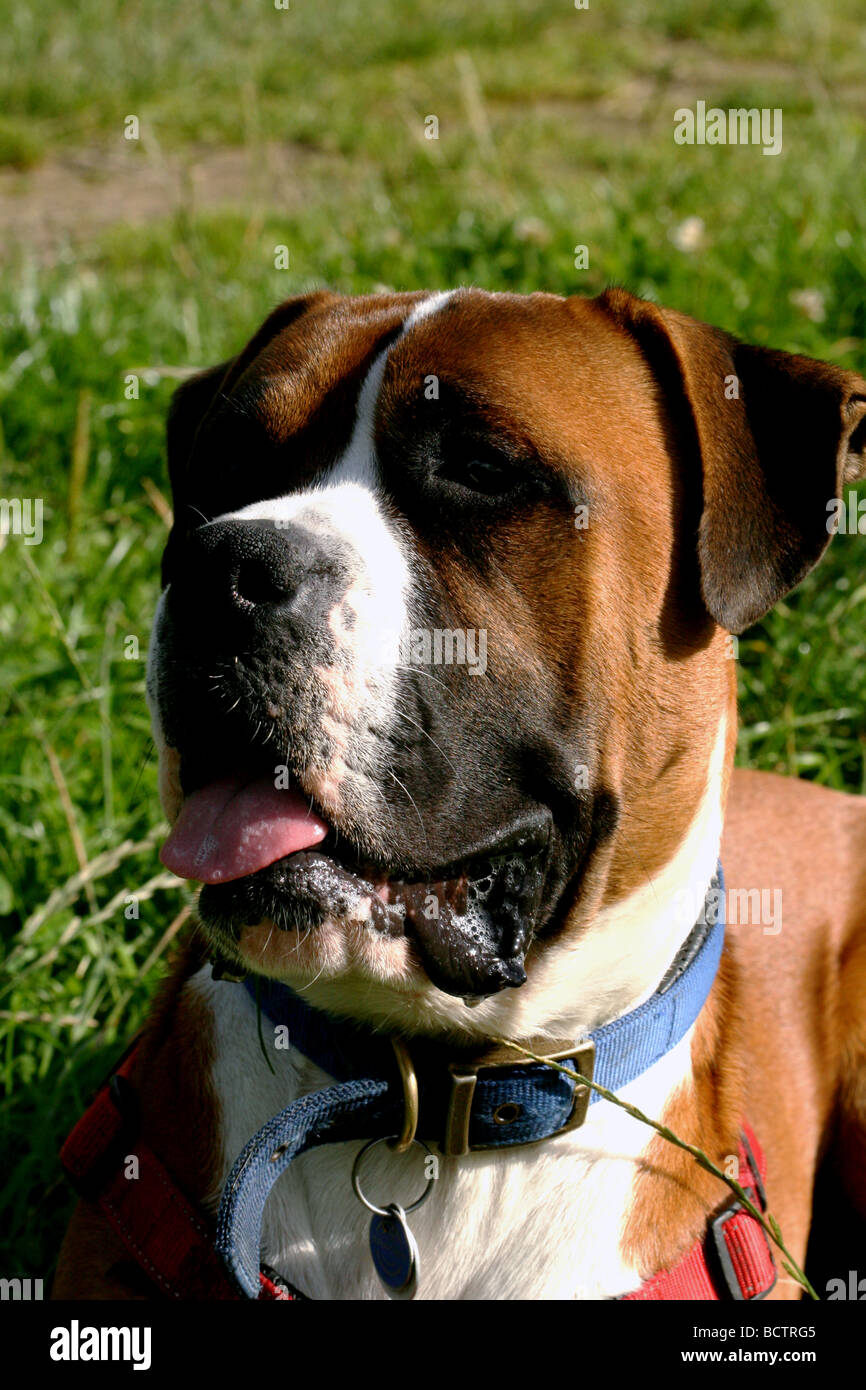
{"points": [[263, 853]]}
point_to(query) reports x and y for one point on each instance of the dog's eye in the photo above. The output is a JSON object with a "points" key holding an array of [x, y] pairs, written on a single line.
{"points": [[490, 477]]}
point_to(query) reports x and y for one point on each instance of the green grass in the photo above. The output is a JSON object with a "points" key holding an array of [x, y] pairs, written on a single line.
{"points": [[557, 131]]}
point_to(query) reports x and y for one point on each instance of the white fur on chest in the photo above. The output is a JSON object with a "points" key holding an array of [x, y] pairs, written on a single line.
{"points": [[541, 1221]]}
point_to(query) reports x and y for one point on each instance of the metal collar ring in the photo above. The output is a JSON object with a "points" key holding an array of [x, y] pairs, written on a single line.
{"points": [[385, 1211]]}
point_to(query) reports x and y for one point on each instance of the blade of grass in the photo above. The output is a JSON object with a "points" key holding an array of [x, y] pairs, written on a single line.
{"points": [[71, 820], [111, 619], [67, 892], [57, 621], [78, 469]]}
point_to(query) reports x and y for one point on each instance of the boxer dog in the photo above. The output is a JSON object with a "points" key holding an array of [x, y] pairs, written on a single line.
{"points": [[579, 500]]}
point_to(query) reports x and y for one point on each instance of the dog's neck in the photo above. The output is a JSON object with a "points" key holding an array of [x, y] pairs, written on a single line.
{"points": [[537, 1221], [315, 1230]]}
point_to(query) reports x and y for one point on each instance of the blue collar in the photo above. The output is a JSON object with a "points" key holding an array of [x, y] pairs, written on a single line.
{"points": [[467, 1102]]}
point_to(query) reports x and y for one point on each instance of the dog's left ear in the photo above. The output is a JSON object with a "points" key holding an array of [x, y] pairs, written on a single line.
{"points": [[194, 397], [189, 405], [778, 437], [200, 392]]}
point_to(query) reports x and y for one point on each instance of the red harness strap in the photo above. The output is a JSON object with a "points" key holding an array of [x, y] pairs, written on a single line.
{"points": [[171, 1240], [734, 1259], [165, 1234]]}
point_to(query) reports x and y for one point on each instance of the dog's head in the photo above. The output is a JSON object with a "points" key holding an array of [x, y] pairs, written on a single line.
{"points": [[441, 669]]}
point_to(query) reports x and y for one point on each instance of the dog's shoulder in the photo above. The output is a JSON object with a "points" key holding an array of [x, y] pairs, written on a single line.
{"points": [[794, 856], [797, 835]]}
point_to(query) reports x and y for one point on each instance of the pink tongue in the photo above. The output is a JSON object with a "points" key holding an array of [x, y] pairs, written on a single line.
{"points": [[231, 828]]}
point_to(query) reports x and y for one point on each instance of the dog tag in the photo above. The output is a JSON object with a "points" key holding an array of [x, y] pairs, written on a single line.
{"points": [[395, 1253]]}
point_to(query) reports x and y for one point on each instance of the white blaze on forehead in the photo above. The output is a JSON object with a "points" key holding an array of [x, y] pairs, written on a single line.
{"points": [[358, 461], [345, 503]]}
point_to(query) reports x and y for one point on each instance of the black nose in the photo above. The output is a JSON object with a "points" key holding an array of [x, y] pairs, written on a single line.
{"points": [[255, 573]]}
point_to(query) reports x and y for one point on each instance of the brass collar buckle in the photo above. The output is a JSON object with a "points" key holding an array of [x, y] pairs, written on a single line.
{"points": [[464, 1077]]}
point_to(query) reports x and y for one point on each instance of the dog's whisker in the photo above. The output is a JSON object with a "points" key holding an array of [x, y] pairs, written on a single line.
{"points": [[421, 728], [310, 983], [419, 671], [412, 799]]}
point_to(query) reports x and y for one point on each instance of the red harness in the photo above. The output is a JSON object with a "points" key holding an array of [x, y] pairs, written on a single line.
{"points": [[171, 1240]]}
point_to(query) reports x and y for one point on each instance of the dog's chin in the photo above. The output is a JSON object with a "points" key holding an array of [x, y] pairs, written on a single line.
{"points": [[333, 951], [464, 931]]}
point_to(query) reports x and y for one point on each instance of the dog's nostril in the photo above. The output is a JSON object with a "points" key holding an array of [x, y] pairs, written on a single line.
{"points": [[257, 582]]}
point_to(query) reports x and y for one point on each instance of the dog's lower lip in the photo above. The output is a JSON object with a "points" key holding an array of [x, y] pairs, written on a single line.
{"points": [[389, 896], [470, 923]]}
